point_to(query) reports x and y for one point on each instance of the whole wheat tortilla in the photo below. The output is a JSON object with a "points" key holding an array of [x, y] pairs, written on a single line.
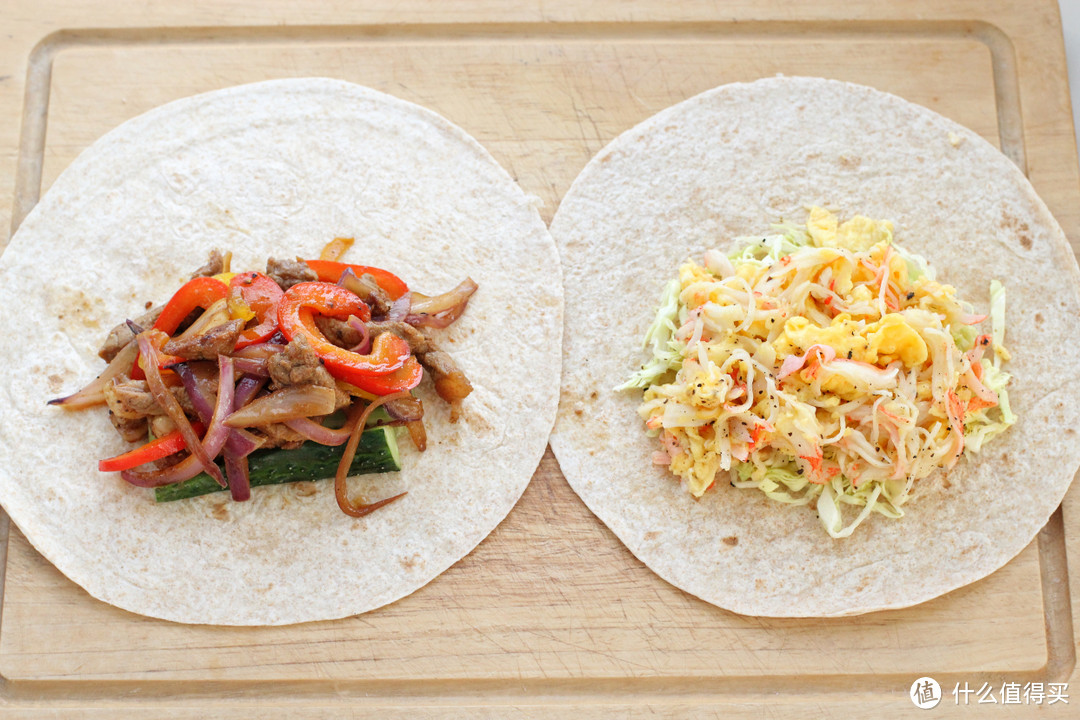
{"points": [[274, 169], [728, 163]]}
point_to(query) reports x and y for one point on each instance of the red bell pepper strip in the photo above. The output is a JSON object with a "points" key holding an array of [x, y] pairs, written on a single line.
{"points": [[406, 377], [296, 318], [200, 292], [262, 295], [154, 450], [331, 271]]}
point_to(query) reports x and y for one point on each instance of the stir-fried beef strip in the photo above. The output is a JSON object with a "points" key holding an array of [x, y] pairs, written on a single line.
{"points": [[121, 335], [409, 409], [161, 425], [338, 332], [131, 429], [369, 291], [418, 341], [219, 340], [131, 399], [278, 436], [215, 265], [450, 382], [287, 273], [298, 364]]}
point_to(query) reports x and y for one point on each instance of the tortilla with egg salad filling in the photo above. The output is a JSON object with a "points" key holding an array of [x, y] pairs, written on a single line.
{"points": [[729, 163], [824, 366]]}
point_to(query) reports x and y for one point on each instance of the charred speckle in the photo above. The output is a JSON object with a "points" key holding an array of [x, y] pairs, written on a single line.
{"points": [[910, 295], [986, 341], [848, 354]]}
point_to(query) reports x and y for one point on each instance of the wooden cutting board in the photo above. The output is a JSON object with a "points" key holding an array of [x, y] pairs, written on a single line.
{"points": [[550, 616]]}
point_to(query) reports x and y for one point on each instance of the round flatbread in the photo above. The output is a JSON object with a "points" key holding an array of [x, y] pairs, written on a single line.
{"points": [[274, 169], [729, 163]]}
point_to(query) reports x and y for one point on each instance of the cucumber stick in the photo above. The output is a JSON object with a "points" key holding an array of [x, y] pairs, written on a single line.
{"points": [[377, 452]]}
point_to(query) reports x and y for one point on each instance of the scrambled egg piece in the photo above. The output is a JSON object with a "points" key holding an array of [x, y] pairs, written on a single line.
{"points": [[878, 343], [857, 234]]}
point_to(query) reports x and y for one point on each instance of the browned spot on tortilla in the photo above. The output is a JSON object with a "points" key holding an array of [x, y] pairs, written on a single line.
{"points": [[967, 550], [305, 489], [1070, 431], [149, 304], [1038, 318], [651, 535], [759, 584], [412, 561], [731, 540], [55, 383], [669, 128], [1013, 224], [73, 304], [593, 395], [220, 512], [578, 411], [850, 161], [1005, 457], [476, 420]]}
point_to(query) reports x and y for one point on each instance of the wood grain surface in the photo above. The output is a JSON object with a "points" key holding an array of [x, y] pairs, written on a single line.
{"points": [[550, 615]]}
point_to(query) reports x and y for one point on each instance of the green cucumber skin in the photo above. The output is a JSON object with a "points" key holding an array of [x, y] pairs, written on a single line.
{"points": [[308, 462]]}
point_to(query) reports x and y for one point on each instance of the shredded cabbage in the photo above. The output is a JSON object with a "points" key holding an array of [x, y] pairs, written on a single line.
{"points": [[823, 366], [666, 352]]}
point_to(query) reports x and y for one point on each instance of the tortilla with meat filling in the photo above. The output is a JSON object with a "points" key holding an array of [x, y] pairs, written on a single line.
{"points": [[274, 170]]}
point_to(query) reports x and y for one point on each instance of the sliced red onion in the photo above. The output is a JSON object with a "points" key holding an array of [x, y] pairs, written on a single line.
{"points": [[399, 309], [240, 442], [295, 401], [251, 366], [186, 469], [259, 351], [199, 401], [408, 409], [364, 346], [202, 452], [315, 432], [417, 433], [347, 277], [169, 404], [246, 389], [236, 468], [439, 311], [94, 393]]}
